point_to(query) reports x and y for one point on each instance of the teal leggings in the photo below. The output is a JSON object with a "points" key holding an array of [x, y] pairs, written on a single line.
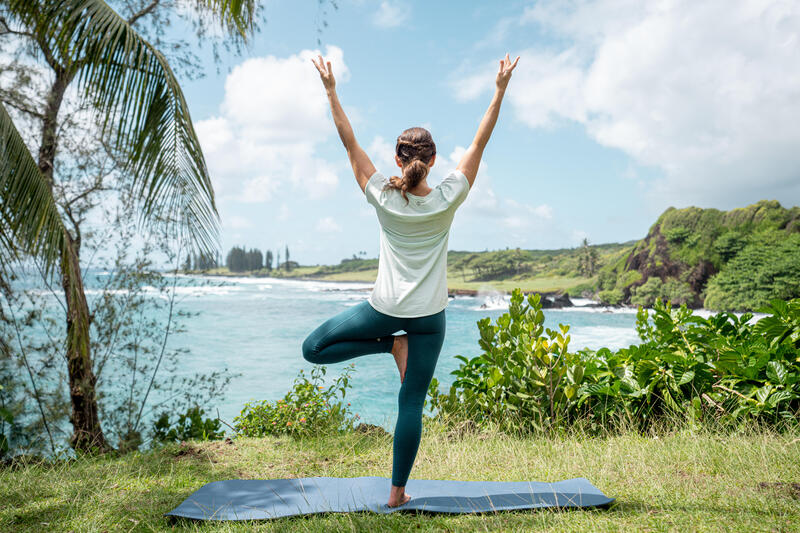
{"points": [[362, 330]]}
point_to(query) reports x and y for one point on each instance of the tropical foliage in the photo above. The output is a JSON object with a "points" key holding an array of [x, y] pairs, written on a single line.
{"points": [[726, 260], [188, 426], [309, 408], [723, 370], [138, 117]]}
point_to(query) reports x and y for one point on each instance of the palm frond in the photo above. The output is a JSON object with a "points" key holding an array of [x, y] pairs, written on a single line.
{"points": [[28, 213], [238, 17], [141, 104]]}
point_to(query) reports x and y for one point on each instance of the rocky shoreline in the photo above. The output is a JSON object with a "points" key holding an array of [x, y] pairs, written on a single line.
{"points": [[550, 299]]}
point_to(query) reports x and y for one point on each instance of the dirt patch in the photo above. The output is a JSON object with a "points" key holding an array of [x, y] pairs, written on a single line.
{"points": [[784, 488], [371, 429], [189, 450]]}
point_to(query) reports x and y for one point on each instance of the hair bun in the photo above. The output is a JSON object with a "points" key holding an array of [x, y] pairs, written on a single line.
{"points": [[415, 148]]}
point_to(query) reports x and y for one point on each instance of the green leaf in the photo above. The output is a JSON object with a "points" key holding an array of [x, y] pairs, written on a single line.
{"points": [[763, 393], [686, 377], [27, 206], [132, 87], [776, 372]]}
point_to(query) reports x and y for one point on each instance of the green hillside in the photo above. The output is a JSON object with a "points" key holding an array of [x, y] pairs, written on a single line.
{"points": [[732, 260], [567, 270]]}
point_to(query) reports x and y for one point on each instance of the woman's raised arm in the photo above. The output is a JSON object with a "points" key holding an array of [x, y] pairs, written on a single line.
{"points": [[362, 166], [472, 157]]}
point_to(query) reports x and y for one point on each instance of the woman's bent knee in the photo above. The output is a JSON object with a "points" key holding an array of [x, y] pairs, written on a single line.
{"points": [[310, 349]]}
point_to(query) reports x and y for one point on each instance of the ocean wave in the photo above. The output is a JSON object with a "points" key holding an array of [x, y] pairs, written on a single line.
{"points": [[595, 337]]}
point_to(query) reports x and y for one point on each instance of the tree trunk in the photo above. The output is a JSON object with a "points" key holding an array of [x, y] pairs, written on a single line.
{"points": [[87, 432]]}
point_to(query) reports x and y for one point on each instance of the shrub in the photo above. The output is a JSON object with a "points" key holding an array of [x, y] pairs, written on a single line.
{"points": [[766, 269], [722, 370], [677, 234], [647, 293], [678, 292], [6, 417], [524, 378], [729, 244], [309, 408], [611, 297], [189, 426]]}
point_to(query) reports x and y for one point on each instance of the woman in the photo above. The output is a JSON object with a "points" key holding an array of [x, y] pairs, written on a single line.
{"points": [[410, 292]]}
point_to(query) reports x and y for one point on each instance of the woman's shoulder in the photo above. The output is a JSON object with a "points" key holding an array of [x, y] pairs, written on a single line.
{"points": [[454, 187]]}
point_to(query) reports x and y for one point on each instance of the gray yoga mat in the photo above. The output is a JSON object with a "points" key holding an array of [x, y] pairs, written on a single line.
{"points": [[256, 499]]}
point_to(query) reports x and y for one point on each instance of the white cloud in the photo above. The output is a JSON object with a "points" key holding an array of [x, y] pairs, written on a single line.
{"points": [[708, 92], [391, 14], [328, 225], [237, 222], [484, 209], [283, 213], [382, 155], [273, 116]]}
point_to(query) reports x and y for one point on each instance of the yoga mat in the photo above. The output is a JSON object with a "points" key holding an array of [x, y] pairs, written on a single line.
{"points": [[257, 499]]}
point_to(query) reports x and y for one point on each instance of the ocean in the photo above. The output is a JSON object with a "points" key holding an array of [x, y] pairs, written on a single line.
{"points": [[255, 327]]}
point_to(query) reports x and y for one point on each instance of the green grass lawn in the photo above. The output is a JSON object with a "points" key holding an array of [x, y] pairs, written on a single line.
{"points": [[684, 481]]}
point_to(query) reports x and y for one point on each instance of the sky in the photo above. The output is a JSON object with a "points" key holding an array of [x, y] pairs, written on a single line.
{"points": [[617, 110]]}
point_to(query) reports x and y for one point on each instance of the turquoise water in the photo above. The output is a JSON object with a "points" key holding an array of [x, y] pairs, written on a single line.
{"points": [[256, 326]]}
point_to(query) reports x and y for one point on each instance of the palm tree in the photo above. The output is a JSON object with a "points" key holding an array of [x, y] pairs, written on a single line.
{"points": [[145, 117]]}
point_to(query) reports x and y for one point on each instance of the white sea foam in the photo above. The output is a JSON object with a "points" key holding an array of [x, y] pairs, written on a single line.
{"points": [[595, 337], [491, 300], [313, 285]]}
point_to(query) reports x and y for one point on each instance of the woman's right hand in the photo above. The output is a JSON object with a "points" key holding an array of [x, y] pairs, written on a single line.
{"points": [[326, 73], [504, 74]]}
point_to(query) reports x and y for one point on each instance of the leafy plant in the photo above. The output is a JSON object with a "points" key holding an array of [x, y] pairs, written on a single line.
{"points": [[688, 369], [5, 415], [189, 426], [309, 408], [524, 379]]}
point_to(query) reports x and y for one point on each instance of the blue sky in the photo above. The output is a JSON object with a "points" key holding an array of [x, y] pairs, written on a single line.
{"points": [[618, 109]]}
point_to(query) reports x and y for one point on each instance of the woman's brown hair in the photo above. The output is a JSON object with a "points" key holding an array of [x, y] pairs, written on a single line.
{"points": [[415, 148]]}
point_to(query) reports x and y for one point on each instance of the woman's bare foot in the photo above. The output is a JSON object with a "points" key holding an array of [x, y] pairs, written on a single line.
{"points": [[400, 353], [398, 497]]}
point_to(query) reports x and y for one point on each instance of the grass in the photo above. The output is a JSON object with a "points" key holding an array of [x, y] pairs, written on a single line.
{"points": [[538, 283], [454, 279], [680, 481]]}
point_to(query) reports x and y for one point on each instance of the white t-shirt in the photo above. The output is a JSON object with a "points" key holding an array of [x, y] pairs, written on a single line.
{"points": [[412, 268]]}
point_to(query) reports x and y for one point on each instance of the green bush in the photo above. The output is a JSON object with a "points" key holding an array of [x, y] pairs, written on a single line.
{"points": [[729, 244], [611, 297], [6, 417], [677, 234], [189, 426], [308, 409], [766, 269], [524, 379], [678, 292], [721, 370], [647, 293]]}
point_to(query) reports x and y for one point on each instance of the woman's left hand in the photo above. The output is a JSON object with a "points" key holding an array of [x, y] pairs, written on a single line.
{"points": [[325, 73]]}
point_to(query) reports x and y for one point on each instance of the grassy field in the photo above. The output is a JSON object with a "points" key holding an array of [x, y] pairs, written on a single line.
{"points": [[684, 481], [455, 280]]}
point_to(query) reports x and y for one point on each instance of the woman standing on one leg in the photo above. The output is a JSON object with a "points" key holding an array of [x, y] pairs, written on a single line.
{"points": [[410, 292]]}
